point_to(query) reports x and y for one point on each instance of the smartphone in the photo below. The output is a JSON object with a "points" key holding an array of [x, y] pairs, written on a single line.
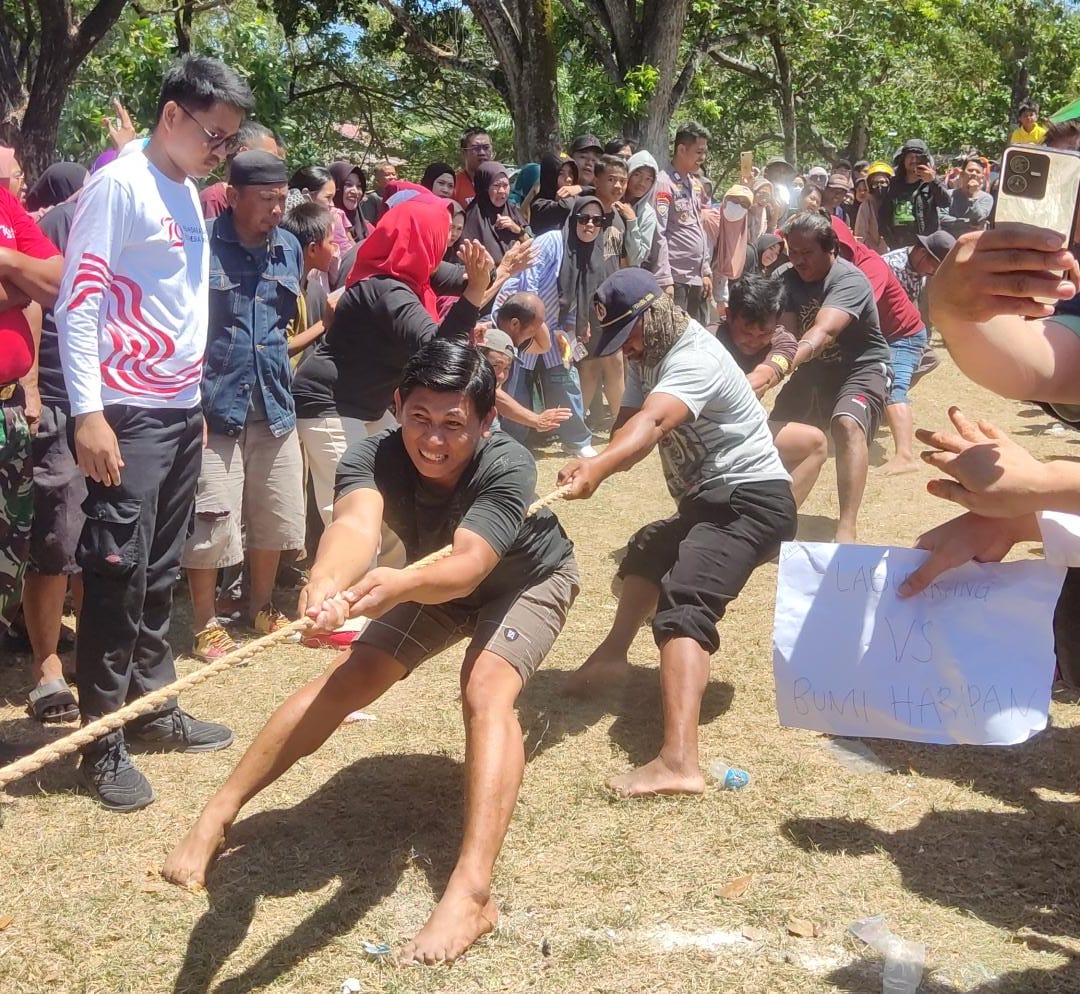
{"points": [[1040, 186], [746, 166]]}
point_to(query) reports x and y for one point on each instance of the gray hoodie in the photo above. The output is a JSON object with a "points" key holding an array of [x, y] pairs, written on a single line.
{"points": [[651, 251]]}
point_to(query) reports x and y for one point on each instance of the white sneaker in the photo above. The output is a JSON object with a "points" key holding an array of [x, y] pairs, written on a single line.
{"points": [[586, 452]]}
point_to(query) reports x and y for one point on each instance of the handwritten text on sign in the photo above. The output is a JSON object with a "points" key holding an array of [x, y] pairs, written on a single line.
{"points": [[970, 659]]}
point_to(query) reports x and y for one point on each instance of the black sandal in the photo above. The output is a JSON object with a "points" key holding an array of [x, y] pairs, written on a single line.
{"points": [[53, 703]]}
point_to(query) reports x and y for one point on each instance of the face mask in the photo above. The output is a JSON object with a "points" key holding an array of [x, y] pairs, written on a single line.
{"points": [[733, 210]]}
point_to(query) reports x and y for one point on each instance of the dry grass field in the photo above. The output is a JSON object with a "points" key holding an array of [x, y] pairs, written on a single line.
{"points": [[974, 852]]}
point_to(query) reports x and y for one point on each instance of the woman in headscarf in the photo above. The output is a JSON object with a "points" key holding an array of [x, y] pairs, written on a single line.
{"points": [[60, 182], [765, 213], [570, 264], [642, 172], [763, 255], [526, 183], [439, 178], [547, 212], [349, 189], [726, 228], [491, 219], [457, 226], [344, 389]]}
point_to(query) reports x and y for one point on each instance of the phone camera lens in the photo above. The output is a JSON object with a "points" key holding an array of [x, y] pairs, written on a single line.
{"points": [[1016, 184], [1020, 164]]}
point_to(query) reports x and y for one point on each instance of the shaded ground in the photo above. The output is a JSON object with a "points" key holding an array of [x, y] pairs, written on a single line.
{"points": [[972, 851]]}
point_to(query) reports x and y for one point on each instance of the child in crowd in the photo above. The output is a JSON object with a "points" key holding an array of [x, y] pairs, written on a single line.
{"points": [[312, 225]]}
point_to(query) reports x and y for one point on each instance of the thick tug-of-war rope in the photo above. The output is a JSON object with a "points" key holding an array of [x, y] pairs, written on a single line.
{"points": [[151, 702]]}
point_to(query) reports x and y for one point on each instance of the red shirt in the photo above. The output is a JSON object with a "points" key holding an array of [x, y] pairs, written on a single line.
{"points": [[464, 191], [18, 232], [898, 316], [214, 200]]}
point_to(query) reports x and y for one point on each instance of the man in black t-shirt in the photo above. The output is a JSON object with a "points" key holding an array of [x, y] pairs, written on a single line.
{"points": [[441, 478], [765, 350], [841, 369]]}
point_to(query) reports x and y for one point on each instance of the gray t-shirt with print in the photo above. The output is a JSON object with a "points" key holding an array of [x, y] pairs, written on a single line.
{"points": [[728, 442]]}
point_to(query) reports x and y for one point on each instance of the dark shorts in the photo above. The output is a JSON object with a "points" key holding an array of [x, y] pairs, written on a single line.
{"points": [[16, 503], [702, 557], [59, 490], [818, 394], [520, 628]]}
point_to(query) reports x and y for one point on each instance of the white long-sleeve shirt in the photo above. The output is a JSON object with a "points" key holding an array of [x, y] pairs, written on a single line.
{"points": [[133, 306]]}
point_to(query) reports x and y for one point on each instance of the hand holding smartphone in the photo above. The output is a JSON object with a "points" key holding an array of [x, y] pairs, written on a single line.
{"points": [[1040, 188]]}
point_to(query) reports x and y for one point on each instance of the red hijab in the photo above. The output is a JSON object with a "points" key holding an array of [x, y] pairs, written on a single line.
{"points": [[407, 244]]}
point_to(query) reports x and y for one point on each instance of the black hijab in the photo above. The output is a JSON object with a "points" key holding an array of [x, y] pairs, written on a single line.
{"points": [[481, 214], [434, 171], [341, 171], [585, 265], [546, 213], [58, 183]]}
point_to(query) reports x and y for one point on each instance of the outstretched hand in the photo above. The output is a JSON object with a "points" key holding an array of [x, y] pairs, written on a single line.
{"points": [[121, 130], [519, 257], [991, 474], [477, 262]]}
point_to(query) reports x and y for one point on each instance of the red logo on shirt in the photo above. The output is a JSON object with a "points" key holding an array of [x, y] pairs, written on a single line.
{"points": [[173, 230]]}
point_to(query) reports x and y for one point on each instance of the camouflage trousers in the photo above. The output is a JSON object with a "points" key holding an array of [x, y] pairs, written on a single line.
{"points": [[16, 505]]}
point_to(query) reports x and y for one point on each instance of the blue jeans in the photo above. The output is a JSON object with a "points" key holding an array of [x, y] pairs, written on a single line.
{"points": [[558, 387], [906, 356]]}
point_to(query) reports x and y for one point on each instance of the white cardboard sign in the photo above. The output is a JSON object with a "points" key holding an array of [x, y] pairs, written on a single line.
{"points": [[969, 660]]}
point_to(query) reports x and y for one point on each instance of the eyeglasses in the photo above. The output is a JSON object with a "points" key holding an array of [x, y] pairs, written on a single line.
{"points": [[478, 148], [228, 142], [591, 219]]}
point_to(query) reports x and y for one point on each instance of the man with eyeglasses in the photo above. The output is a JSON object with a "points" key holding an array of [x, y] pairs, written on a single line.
{"points": [[476, 149], [132, 327]]}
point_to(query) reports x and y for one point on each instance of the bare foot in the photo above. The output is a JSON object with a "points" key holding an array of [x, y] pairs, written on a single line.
{"points": [[601, 671], [456, 923], [657, 778], [188, 864], [898, 465]]}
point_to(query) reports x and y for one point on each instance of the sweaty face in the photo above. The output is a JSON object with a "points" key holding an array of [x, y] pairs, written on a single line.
{"points": [[443, 186], [611, 185], [750, 338], [640, 182], [588, 223], [258, 208], [197, 141], [808, 258], [441, 431]]}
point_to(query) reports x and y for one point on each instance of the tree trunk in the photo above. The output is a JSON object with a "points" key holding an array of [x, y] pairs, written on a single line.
{"points": [[859, 139], [61, 48], [657, 45], [521, 34], [785, 98]]}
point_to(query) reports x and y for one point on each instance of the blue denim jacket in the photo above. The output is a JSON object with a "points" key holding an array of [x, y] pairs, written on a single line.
{"points": [[253, 299]]}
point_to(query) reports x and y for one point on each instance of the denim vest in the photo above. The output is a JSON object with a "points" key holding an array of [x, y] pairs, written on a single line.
{"points": [[253, 299]]}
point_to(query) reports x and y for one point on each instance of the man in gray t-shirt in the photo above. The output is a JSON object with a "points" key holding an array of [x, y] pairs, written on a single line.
{"points": [[686, 396]]}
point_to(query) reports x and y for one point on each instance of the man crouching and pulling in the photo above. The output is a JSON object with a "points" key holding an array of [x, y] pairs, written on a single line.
{"points": [[441, 478], [684, 393]]}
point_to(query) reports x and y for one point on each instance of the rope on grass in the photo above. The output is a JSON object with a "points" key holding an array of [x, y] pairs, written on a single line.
{"points": [[151, 702]]}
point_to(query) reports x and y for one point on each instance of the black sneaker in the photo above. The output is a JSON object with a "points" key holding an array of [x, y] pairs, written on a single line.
{"points": [[113, 781], [178, 731]]}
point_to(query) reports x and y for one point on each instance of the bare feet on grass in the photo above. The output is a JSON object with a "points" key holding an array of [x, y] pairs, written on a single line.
{"points": [[601, 671], [188, 864], [458, 920], [899, 465], [658, 777]]}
